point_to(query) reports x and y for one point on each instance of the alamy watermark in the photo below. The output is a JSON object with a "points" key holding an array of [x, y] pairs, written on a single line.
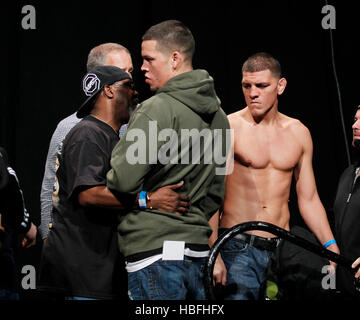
{"points": [[188, 146], [29, 20], [29, 280], [329, 20], [329, 280]]}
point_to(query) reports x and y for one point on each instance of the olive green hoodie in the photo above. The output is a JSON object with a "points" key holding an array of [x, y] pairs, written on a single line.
{"points": [[157, 151]]}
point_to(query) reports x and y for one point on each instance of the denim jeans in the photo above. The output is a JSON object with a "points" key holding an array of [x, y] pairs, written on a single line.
{"points": [[246, 266], [8, 295], [169, 280], [77, 298]]}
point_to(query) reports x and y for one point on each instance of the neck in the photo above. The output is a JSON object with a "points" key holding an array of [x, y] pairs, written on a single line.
{"points": [[184, 67], [270, 117]]}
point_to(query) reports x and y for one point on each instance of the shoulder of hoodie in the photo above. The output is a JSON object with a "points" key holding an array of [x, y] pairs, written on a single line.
{"points": [[160, 108], [157, 108], [154, 106], [221, 113]]}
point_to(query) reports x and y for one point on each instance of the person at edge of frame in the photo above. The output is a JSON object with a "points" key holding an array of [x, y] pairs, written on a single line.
{"points": [[15, 221], [346, 210]]}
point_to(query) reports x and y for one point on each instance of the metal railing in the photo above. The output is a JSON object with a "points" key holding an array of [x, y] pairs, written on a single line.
{"points": [[279, 232]]}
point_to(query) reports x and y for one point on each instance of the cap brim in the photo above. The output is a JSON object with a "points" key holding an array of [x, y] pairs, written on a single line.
{"points": [[86, 107]]}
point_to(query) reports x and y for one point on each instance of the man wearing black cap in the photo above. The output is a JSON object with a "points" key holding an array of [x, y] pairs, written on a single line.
{"points": [[80, 258], [346, 211], [111, 54]]}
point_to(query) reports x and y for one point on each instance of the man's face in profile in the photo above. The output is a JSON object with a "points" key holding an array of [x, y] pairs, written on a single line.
{"points": [[356, 130]]}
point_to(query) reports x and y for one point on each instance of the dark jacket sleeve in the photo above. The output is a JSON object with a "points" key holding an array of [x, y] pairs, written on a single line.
{"points": [[12, 206]]}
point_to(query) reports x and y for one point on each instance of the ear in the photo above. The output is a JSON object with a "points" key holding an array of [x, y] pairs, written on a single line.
{"points": [[108, 91], [281, 85], [176, 60]]}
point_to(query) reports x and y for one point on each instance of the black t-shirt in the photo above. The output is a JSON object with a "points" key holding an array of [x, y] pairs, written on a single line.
{"points": [[81, 257]]}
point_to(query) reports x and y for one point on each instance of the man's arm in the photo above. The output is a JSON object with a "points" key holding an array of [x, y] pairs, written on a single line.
{"points": [[47, 187], [214, 200], [129, 161], [310, 206], [219, 273], [163, 199]]}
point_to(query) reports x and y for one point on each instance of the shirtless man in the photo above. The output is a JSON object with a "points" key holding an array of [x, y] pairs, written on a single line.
{"points": [[269, 147]]}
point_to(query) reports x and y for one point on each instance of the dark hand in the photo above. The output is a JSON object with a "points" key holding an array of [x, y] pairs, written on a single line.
{"points": [[168, 200]]}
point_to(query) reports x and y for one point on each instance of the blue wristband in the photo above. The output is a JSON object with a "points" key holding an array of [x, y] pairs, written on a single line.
{"points": [[329, 243], [142, 199]]}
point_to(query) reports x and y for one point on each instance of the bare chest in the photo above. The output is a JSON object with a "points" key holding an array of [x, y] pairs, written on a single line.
{"points": [[259, 148]]}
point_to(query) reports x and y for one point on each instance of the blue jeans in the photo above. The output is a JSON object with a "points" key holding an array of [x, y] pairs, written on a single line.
{"points": [[77, 298], [169, 280], [246, 266], [8, 295]]}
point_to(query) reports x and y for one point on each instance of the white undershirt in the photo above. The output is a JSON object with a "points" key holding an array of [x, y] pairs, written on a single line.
{"points": [[138, 265]]}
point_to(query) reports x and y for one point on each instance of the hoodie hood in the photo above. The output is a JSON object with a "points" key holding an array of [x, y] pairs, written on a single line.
{"points": [[195, 89]]}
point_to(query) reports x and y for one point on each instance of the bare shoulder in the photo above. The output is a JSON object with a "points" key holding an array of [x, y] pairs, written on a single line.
{"points": [[294, 124], [236, 118], [298, 129]]}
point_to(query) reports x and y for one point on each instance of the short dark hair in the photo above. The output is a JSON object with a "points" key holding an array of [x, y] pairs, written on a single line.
{"points": [[262, 61], [172, 35]]}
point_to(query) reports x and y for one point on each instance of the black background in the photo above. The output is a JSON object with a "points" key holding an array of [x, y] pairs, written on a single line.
{"points": [[41, 71]]}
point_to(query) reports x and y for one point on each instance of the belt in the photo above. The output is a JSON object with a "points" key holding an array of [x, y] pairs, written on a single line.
{"points": [[269, 244]]}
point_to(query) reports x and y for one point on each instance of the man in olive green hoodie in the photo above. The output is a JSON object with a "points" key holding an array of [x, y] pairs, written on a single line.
{"points": [[179, 134]]}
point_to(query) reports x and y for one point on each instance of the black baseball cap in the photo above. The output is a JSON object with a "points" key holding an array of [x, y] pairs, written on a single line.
{"points": [[94, 81]]}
